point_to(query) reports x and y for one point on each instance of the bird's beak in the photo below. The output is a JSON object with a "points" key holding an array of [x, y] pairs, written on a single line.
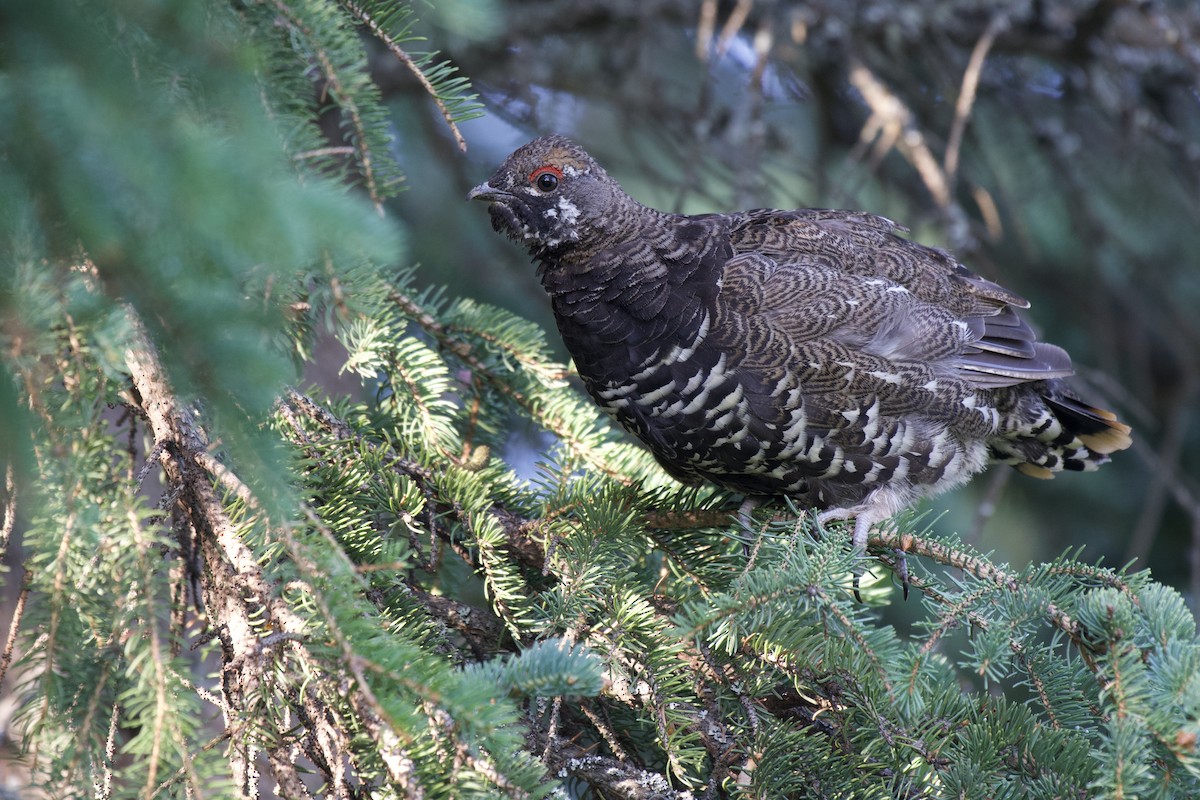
{"points": [[485, 191]]}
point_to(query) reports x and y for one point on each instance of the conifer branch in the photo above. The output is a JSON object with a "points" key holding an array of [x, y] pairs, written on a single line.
{"points": [[237, 596], [395, 49], [514, 526], [884, 538], [345, 99], [14, 626], [388, 736], [464, 351]]}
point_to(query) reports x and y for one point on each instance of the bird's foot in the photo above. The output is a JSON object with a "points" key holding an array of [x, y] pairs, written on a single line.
{"points": [[745, 517], [864, 519], [902, 569]]}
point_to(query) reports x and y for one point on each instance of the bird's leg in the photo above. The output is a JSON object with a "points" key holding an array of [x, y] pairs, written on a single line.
{"points": [[834, 515], [865, 517], [746, 520], [902, 569], [861, 531], [863, 521], [745, 510], [862, 526]]}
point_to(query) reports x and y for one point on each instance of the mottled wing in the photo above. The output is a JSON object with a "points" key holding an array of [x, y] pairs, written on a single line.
{"points": [[896, 298], [845, 381]]}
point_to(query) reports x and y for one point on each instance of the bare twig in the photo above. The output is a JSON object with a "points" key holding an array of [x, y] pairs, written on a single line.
{"points": [[894, 124], [733, 24], [601, 723], [323, 152], [889, 113], [10, 509], [14, 625], [966, 95], [705, 26]]}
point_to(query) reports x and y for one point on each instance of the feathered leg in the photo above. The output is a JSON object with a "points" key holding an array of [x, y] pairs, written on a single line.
{"points": [[865, 516], [745, 518]]}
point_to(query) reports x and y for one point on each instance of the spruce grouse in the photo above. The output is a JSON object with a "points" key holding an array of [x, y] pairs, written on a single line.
{"points": [[812, 354]]}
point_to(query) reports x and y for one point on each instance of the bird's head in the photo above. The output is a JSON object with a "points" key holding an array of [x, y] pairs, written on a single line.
{"points": [[550, 194]]}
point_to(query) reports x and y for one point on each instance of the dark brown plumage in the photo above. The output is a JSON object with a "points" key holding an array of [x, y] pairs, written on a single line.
{"points": [[812, 354]]}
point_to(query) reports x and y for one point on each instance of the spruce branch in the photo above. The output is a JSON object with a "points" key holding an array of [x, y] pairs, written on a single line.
{"points": [[238, 599], [514, 527], [327, 743], [410, 63], [14, 626], [388, 736], [91, 714], [888, 539], [345, 98], [500, 381]]}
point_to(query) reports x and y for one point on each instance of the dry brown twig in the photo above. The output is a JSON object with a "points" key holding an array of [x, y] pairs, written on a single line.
{"points": [[240, 604], [966, 95], [892, 125]]}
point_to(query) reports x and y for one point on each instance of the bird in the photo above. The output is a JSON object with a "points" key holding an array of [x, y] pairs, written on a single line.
{"points": [[811, 354]]}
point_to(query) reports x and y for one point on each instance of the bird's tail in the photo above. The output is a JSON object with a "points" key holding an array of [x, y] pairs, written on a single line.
{"points": [[1062, 433]]}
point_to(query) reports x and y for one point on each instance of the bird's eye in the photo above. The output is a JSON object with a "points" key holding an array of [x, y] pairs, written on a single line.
{"points": [[546, 179]]}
